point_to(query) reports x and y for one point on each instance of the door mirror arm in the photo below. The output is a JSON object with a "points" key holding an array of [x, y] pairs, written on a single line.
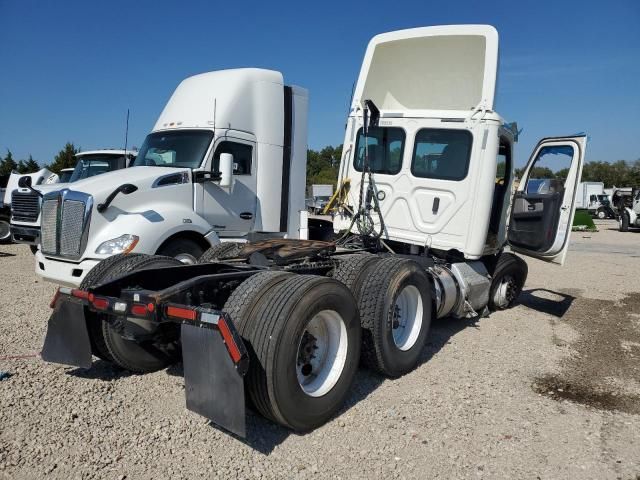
{"points": [[25, 182], [126, 189]]}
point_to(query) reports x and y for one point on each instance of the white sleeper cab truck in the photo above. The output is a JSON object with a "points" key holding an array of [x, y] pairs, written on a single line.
{"points": [[421, 233], [225, 160], [25, 200]]}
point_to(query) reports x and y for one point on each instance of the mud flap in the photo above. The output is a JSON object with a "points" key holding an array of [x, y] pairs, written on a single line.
{"points": [[67, 340], [214, 388]]}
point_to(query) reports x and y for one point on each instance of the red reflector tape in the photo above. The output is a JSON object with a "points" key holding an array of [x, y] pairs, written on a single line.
{"points": [[228, 338], [139, 309], [83, 294], [100, 303], [183, 313], [55, 298]]}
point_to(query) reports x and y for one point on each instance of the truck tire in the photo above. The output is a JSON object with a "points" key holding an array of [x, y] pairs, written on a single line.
{"points": [[508, 279], [5, 230], [624, 222], [304, 337], [106, 342], [352, 270], [183, 249], [395, 311], [102, 272], [601, 214], [220, 252]]}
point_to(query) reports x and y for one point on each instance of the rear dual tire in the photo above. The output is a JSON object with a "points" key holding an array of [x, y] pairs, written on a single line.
{"points": [[395, 311], [220, 252], [303, 335]]}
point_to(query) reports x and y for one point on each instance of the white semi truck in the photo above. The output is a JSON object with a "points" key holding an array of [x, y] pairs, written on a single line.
{"points": [[177, 199], [26, 198], [422, 232]]}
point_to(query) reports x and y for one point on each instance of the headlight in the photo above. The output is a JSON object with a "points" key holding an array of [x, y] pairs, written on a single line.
{"points": [[123, 244]]}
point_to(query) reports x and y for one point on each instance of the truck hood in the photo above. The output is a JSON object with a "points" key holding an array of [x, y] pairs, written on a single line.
{"points": [[100, 186]]}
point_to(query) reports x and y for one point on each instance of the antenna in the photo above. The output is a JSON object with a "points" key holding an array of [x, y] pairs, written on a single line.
{"points": [[126, 133], [215, 105]]}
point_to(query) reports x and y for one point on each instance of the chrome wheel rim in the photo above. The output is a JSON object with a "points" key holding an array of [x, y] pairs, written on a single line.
{"points": [[322, 353], [186, 258], [506, 292], [407, 317]]}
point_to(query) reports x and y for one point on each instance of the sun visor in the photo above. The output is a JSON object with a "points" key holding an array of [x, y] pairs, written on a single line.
{"points": [[433, 68]]}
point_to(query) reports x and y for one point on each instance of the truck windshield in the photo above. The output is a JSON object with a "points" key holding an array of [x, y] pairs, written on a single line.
{"points": [[90, 165], [180, 148]]}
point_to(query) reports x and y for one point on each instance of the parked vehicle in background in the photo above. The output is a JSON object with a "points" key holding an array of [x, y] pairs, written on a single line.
{"points": [[592, 197], [40, 178], [421, 234], [26, 200], [65, 175], [5, 212], [629, 210], [195, 181], [320, 196]]}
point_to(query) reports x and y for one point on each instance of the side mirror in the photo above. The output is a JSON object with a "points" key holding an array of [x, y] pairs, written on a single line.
{"points": [[226, 170], [24, 182]]}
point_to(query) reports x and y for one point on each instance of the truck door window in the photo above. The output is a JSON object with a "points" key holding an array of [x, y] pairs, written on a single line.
{"points": [[242, 155], [385, 146], [442, 154], [549, 171]]}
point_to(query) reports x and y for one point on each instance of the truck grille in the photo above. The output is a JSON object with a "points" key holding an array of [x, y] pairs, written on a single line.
{"points": [[65, 223], [25, 207]]}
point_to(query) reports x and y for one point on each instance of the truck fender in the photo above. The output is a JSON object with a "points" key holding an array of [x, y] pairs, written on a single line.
{"points": [[152, 232]]}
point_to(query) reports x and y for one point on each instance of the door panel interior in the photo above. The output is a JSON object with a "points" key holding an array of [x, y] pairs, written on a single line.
{"points": [[534, 220]]}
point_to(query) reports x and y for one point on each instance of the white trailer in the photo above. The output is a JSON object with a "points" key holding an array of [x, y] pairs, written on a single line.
{"points": [[422, 233]]}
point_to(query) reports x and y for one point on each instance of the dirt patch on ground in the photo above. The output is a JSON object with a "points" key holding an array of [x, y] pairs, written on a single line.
{"points": [[603, 369]]}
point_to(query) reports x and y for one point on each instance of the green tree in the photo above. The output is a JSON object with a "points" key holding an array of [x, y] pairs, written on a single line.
{"points": [[30, 166], [8, 164], [66, 158], [322, 166]]}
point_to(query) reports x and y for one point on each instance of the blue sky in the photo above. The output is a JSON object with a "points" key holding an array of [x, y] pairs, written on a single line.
{"points": [[70, 69]]}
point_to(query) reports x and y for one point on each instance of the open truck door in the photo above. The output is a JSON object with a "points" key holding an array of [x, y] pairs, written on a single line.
{"points": [[543, 204]]}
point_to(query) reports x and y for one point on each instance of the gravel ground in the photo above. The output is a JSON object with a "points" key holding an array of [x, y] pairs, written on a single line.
{"points": [[549, 389]]}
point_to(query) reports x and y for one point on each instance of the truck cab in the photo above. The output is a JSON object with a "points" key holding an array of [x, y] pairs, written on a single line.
{"points": [[26, 201], [424, 144], [225, 160]]}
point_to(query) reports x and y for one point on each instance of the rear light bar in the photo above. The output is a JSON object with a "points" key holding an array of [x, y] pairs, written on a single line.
{"points": [[82, 294], [204, 317], [182, 313], [100, 303]]}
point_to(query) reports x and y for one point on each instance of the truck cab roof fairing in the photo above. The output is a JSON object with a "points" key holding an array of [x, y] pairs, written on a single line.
{"points": [[443, 68], [244, 99]]}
